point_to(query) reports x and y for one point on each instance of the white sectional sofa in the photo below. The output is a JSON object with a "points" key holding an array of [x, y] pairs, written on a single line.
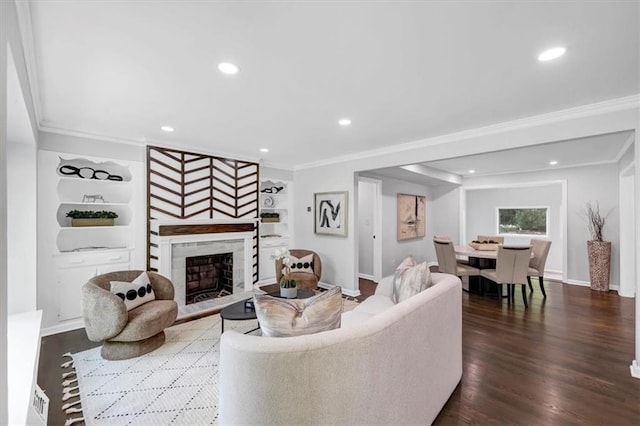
{"points": [[388, 364]]}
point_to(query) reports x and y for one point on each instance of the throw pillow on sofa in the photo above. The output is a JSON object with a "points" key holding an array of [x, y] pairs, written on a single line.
{"points": [[135, 293], [411, 281], [294, 317]]}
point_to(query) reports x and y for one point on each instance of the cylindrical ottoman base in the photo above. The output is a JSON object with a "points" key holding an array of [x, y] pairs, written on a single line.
{"points": [[114, 351]]}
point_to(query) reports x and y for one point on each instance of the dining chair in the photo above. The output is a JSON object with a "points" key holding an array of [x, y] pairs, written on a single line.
{"points": [[512, 265], [540, 250], [496, 238], [447, 262]]}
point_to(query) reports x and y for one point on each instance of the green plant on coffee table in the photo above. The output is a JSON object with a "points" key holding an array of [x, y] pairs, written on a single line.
{"points": [[90, 214], [283, 255]]}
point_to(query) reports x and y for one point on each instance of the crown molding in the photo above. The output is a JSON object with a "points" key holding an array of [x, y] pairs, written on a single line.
{"points": [[589, 110], [143, 142], [48, 128], [198, 150], [278, 166]]}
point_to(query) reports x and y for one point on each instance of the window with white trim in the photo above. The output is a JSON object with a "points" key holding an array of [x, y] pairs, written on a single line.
{"points": [[532, 221]]}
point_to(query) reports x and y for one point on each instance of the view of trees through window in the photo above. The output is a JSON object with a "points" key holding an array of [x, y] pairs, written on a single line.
{"points": [[529, 221]]}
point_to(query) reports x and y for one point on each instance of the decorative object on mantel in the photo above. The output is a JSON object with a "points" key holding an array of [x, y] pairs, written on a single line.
{"points": [[272, 190], [599, 251], [484, 245], [270, 217], [411, 216], [88, 173], [288, 287], [331, 213], [93, 198], [91, 218]]}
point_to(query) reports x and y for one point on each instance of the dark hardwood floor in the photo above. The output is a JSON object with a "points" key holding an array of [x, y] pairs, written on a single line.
{"points": [[564, 360]]}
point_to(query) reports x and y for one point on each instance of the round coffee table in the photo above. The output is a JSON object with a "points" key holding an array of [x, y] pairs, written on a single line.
{"points": [[239, 311]]}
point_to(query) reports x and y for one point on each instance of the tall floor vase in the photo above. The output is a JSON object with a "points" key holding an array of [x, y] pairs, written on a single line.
{"points": [[599, 264]]}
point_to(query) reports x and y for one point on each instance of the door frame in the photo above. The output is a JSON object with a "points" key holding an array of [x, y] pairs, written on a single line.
{"points": [[377, 226]]}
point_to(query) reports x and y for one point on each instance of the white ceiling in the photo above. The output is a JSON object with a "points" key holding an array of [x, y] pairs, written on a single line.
{"points": [[402, 71], [601, 149]]}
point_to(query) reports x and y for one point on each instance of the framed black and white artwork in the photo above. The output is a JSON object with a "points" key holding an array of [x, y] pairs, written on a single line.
{"points": [[331, 210]]}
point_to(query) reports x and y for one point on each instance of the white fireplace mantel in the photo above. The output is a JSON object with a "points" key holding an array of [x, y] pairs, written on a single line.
{"points": [[165, 243]]}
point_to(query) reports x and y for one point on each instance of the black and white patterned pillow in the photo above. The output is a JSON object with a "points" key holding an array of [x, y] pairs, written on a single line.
{"points": [[135, 293], [304, 264]]}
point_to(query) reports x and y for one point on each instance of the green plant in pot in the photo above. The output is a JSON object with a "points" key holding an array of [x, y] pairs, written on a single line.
{"points": [[288, 287], [92, 218], [266, 217], [599, 250]]}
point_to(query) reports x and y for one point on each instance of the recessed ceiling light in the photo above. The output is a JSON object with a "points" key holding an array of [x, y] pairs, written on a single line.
{"points": [[167, 129], [344, 122], [472, 171], [228, 68], [553, 162], [550, 54], [264, 149]]}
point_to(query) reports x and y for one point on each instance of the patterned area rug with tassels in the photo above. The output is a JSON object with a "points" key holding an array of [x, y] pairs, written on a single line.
{"points": [[175, 384]]}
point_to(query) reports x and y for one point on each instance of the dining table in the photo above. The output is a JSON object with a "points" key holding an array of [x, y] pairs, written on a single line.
{"points": [[481, 259]]}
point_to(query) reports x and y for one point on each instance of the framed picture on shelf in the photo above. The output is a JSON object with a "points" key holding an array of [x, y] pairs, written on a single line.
{"points": [[411, 219], [330, 213]]}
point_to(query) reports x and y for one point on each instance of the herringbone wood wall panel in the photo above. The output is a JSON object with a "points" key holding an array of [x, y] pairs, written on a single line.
{"points": [[185, 185]]}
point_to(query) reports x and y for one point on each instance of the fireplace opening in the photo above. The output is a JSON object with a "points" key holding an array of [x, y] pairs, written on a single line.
{"points": [[208, 277]]}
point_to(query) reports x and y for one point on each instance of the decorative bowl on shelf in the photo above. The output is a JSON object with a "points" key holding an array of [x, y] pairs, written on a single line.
{"points": [[484, 245]]}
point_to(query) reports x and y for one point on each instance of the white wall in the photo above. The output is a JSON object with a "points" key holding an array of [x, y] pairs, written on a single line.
{"points": [[446, 199], [337, 253], [21, 232], [482, 204], [366, 194], [394, 251], [10, 37], [275, 173]]}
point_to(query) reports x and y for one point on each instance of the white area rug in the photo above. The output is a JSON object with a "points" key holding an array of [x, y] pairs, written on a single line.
{"points": [[176, 384]]}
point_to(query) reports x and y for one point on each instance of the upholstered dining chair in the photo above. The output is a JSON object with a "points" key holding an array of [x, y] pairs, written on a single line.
{"points": [[540, 250], [498, 239], [512, 265], [306, 268], [127, 333], [447, 262]]}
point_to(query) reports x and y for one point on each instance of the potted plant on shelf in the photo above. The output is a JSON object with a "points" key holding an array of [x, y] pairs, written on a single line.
{"points": [[269, 217], [599, 251], [288, 287], [91, 218]]}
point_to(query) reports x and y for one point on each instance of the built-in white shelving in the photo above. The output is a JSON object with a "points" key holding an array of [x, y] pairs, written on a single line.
{"points": [[70, 255], [275, 197]]}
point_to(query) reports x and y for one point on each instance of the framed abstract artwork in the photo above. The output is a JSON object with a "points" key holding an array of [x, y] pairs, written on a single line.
{"points": [[330, 213], [411, 219]]}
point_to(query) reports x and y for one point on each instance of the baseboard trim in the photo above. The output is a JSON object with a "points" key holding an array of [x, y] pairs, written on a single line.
{"points": [[580, 283], [61, 328], [635, 369], [588, 284], [366, 277], [346, 292]]}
